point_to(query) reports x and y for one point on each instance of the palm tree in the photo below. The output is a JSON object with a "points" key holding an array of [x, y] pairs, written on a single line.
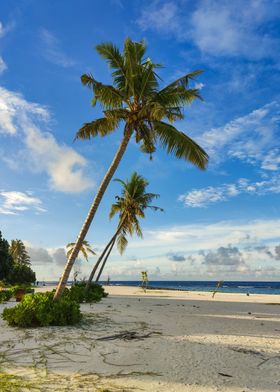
{"points": [[130, 206], [84, 249], [19, 253], [146, 111]]}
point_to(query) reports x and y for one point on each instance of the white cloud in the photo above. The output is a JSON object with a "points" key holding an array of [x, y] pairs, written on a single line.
{"points": [[224, 256], [229, 28], [257, 244], [6, 29], [217, 27], [199, 86], [3, 65], [253, 138], [11, 203], [3, 32], [52, 51], [194, 237], [63, 164], [209, 195], [39, 255], [160, 17]]}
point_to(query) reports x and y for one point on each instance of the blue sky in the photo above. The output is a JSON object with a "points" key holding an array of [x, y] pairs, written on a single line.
{"points": [[219, 224]]}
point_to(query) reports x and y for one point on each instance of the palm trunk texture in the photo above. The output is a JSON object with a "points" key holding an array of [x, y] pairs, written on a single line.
{"points": [[106, 180], [105, 260], [112, 240]]}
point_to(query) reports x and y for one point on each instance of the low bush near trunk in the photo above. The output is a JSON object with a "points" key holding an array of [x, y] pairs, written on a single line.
{"points": [[79, 293], [5, 295], [40, 310]]}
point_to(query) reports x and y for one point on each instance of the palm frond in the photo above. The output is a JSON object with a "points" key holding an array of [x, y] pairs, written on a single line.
{"points": [[107, 95], [180, 145], [122, 243], [100, 127]]}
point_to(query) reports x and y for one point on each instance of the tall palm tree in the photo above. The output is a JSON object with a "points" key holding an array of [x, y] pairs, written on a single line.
{"points": [[146, 111], [85, 249], [130, 206], [19, 253]]}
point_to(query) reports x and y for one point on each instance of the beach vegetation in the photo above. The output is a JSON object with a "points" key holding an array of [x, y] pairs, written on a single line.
{"points": [[219, 285], [79, 293], [39, 310], [130, 206], [5, 295], [15, 263], [146, 111]]}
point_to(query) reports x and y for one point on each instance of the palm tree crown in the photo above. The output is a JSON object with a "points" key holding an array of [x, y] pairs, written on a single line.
{"points": [[136, 99], [85, 249], [130, 206], [19, 253]]}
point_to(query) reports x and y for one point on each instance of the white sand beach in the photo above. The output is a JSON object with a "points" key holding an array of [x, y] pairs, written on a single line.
{"points": [[161, 340]]}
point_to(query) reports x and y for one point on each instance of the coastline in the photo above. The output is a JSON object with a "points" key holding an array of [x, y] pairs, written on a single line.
{"points": [[137, 291], [183, 342]]}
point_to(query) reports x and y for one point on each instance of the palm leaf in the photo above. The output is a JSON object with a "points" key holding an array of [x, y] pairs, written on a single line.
{"points": [[180, 145], [100, 127]]}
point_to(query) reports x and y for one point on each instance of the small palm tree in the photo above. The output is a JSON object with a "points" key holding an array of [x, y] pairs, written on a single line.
{"points": [[146, 111], [130, 206], [85, 249], [19, 253]]}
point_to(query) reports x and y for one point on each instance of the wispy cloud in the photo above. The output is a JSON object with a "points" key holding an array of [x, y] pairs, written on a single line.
{"points": [[12, 203], [3, 31], [6, 29], [206, 196], [3, 65], [52, 50], [253, 138], [217, 27], [63, 165]]}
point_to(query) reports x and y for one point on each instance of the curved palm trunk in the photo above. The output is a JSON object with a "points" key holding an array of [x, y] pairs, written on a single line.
{"points": [[105, 260], [106, 180], [112, 241]]}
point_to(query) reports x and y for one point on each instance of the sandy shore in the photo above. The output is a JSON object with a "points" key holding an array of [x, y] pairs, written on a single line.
{"points": [[186, 342]]}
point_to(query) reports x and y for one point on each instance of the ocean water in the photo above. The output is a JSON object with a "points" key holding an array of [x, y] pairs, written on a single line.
{"points": [[228, 286]]}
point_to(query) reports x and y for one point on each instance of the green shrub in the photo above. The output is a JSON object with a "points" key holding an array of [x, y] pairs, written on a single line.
{"points": [[79, 293], [26, 287], [5, 295], [40, 310]]}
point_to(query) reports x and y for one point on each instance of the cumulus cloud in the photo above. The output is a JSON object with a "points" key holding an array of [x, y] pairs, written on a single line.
{"points": [[188, 239], [206, 196], [39, 255], [63, 165], [224, 256], [59, 256], [52, 51], [277, 252], [11, 203], [44, 256], [218, 28], [176, 257]]}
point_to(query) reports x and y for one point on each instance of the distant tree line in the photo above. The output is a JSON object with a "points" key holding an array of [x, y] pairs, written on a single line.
{"points": [[15, 262]]}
